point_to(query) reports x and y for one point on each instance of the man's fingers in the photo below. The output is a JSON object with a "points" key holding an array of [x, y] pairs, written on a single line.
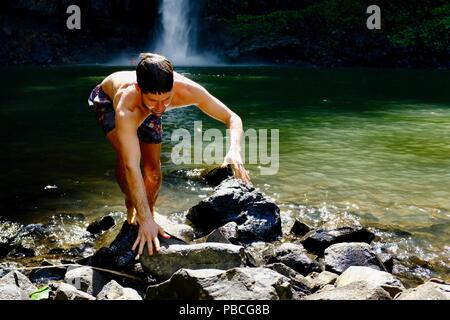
{"points": [[136, 242], [242, 173], [163, 233], [166, 235], [141, 246], [239, 171], [156, 242], [150, 247]]}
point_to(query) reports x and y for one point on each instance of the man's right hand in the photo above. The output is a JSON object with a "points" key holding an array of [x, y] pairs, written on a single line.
{"points": [[148, 235]]}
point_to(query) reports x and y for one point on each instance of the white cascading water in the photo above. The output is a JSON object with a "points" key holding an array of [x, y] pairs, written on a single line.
{"points": [[178, 39]]}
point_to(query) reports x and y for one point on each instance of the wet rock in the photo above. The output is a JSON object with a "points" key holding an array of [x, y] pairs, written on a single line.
{"points": [[119, 255], [86, 279], [195, 256], [234, 201], [295, 256], [114, 291], [373, 278], [16, 284], [412, 270], [322, 279], [215, 175], [9, 231], [46, 275], [236, 283], [21, 251], [360, 290], [70, 252], [178, 231], [259, 253], [299, 283], [318, 240], [36, 231], [387, 260], [8, 266], [339, 257], [431, 290], [64, 291], [227, 233], [299, 228], [103, 224]]}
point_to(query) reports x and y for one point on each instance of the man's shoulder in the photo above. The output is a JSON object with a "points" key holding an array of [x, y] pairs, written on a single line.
{"points": [[189, 89]]}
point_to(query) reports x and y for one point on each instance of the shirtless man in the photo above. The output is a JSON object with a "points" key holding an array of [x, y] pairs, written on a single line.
{"points": [[128, 106]]}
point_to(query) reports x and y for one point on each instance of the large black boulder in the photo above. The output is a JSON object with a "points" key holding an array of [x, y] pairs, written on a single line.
{"points": [[119, 255], [233, 200], [318, 240]]}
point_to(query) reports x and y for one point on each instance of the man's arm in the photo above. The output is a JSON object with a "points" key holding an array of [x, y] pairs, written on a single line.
{"points": [[219, 111], [130, 154]]}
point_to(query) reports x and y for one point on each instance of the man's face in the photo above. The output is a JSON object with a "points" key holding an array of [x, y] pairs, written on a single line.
{"points": [[157, 103]]}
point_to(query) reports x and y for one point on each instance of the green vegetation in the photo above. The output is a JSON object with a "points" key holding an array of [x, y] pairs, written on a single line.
{"points": [[416, 30]]}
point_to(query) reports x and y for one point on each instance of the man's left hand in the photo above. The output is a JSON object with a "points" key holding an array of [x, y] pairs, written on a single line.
{"points": [[234, 158]]}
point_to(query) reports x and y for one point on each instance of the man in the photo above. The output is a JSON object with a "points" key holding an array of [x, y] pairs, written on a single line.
{"points": [[128, 107]]}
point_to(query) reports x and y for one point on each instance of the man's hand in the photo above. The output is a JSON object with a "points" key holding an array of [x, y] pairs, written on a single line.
{"points": [[148, 234], [234, 158]]}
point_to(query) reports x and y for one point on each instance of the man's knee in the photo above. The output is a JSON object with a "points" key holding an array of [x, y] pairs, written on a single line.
{"points": [[152, 172]]}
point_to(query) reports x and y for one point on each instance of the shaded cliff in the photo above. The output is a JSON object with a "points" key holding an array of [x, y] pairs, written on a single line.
{"points": [[329, 32], [35, 32]]}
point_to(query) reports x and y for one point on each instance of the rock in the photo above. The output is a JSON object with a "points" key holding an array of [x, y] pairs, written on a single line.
{"points": [[46, 275], [103, 224], [259, 253], [16, 284], [387, 260], [294, 256], [235, 284], [195, 256], [177, 231], [10, 292], [85, 279], [341, 256], [114, 291], [36, 231], [299, 283], [7, 266], [320, 280], [227, 233], [215, 175], [64, 291], [21, 251], [374, 278], [299, 228], [430, 290], [9, 231], [359, 290], [234, 201], [317, 241], [119, 255]]}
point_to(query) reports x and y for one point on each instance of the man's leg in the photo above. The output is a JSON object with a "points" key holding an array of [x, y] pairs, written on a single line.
{"points": [[150, 155]]}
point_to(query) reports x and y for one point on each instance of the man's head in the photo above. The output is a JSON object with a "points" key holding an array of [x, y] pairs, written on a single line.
{"points": [[154, 75]]}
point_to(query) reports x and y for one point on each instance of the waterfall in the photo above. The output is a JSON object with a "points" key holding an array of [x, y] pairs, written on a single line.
{"points": [[178, 37]]}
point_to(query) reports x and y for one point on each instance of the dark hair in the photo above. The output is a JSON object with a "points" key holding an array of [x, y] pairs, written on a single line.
{"points": [[154, 73]]}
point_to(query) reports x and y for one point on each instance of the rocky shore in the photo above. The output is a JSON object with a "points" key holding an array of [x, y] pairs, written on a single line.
{"points": [[232, 246]]}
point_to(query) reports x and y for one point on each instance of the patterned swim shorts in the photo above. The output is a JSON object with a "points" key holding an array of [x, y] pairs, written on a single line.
{"points": [[150, 131]]}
